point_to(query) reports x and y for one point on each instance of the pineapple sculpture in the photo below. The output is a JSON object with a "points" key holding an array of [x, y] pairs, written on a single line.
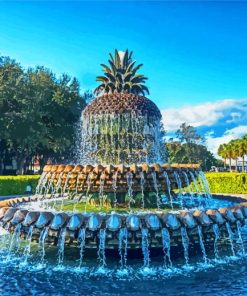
{"points": [[121, 125]]}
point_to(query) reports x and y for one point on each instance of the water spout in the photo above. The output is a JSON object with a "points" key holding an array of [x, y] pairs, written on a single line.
{"points": [[122, 246], [81, 238], [202, 243], [101, 249], [216, 239], [240, 239], [166, 241], [145, 247], [230, 237], [185, 242]]}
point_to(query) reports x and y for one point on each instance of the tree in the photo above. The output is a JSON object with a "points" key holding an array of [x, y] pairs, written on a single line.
{"points": [[222, 151], [233, 150], [188, 148], [38, 112]]}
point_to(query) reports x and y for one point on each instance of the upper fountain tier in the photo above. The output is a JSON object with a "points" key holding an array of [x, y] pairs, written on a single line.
{"points": [[122, 103], [121, 125]]}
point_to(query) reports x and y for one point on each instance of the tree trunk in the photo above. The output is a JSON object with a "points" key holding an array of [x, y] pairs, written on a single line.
{"points": [[236, 168], [230, 164], [224, 163], [243, 164], [20, 166]]}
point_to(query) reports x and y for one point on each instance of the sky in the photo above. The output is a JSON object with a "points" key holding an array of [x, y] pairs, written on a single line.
{"points": [[194, 53]]}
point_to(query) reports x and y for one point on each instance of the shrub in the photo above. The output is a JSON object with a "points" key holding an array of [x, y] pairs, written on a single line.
{"points": [[227, 182], [14, 185]]}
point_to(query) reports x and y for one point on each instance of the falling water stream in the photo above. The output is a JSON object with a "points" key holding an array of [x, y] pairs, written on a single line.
{"points": [[168, 184], [216, 239], [114, 187], [81, 238], [61, 243], [240, 239], [27, 249], [129, 177], [101, 249], [145, 247], [142, 183], [166, 241], [42, 238], [179, 184], [122, 246], [230, 237], [199, 228], [14, 242], [185, 242], [156, 189]]}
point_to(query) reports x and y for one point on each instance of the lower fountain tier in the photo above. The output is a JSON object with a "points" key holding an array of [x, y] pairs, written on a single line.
{"points": [[120, 178], [135, 225]]}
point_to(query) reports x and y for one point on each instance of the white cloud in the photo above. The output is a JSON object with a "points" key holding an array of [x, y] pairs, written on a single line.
{"points": [[220, 121], [214, 142], [207, 114]]}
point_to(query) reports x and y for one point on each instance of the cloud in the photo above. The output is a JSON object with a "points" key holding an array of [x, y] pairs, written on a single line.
{"points": [[213, 143], [220, 121], [207, 114]]}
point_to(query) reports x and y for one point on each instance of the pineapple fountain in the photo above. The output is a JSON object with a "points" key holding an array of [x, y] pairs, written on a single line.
{"points": [[123, 195]]}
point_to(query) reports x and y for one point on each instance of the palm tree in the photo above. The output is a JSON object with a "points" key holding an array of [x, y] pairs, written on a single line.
{"points": [[242, 150], [121, 76], [235, 152], [222, 152], [230, 153]]}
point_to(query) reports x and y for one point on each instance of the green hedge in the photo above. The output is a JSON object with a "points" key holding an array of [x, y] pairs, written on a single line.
{"points": [[227, 182], [12, 185]]}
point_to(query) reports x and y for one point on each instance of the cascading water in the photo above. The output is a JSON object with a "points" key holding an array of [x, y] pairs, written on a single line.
{"points": [[202, 243], [194, 182], [114, 187], [179, 184], [142, 183], [42, 238], [168, 183], [156, 189], [120, 138], [82, 238], [122, 246], [14, 242], [101, 249], [166, 241], [145, 247], [101, 189], [230, 237], [61, 243], [216, 239], [240, 239], [188, 186], [129, 178], [64, 189], [27, 249], [206, 185], [185, 242]]}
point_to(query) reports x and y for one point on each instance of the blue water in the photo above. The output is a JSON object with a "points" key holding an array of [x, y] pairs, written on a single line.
{"points": [[225, 276], [228, 277]]}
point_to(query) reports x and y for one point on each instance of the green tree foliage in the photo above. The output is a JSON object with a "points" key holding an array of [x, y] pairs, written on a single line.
{"points": [[188, 147], [121, 76], [233, 150], [38, 111]]}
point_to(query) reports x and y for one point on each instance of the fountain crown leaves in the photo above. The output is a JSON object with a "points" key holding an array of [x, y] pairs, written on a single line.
{"points": [[120, 76]]}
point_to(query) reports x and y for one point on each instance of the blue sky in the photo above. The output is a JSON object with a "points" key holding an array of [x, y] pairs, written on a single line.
{"points": [[194, 53]]}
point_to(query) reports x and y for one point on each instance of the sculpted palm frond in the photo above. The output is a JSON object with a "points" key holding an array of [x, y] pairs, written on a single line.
{"points": [[121, 76]]}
